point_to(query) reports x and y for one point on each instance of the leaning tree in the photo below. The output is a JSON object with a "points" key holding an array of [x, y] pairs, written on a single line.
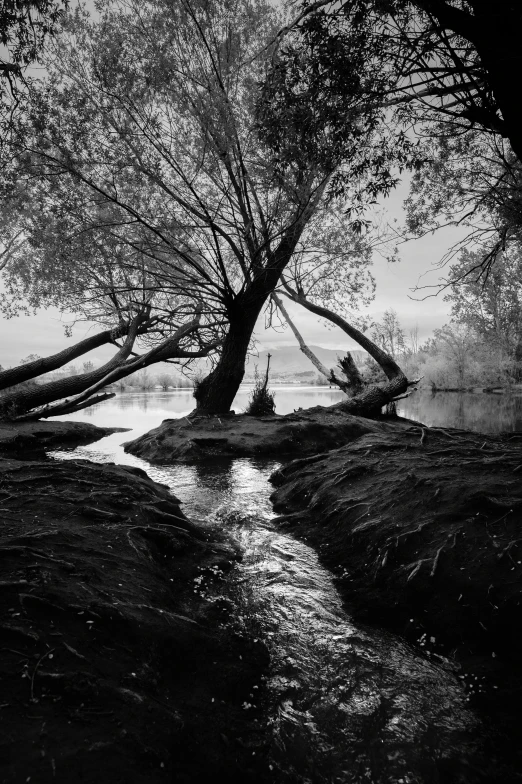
{"points": [[153, 128], [92, 277]]}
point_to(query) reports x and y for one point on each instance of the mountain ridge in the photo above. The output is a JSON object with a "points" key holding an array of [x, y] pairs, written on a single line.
{"points": [[290, 360]]}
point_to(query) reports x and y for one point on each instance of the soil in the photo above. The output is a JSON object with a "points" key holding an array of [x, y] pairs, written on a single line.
{"points": [[120, 657], [120, 661], [194, 439], [29, 440], [423, 529]]}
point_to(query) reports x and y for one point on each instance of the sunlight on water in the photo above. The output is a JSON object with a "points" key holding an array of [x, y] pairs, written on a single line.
{"points": [[349, 704]]}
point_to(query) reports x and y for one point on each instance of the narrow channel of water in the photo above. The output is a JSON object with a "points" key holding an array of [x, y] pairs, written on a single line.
{"points": [[347, 704]]}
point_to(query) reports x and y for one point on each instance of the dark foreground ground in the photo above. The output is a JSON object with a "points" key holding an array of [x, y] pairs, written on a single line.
{"points": [[113, 666], [115, 669]]}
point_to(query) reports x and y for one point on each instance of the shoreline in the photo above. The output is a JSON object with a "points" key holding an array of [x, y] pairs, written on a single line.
{"points": [[114, 659]]}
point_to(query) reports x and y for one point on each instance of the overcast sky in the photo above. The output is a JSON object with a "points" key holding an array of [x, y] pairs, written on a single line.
{"points": [[43, 333]]}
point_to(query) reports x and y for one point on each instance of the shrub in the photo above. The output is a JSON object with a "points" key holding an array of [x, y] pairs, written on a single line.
{"points": [[262, 401]]}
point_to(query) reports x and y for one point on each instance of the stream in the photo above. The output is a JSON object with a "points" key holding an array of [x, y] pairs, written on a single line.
{"points": [[346, 703]]}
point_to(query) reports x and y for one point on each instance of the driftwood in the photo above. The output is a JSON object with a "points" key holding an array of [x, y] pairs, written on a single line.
{"points": [[354, 382], [372, 399]]}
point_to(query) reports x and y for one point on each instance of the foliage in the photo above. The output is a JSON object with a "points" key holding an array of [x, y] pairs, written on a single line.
{"points": [[325, 93], [447, 58], [473, 182], [491, 307], [24, 25], [443, 72], [389, 335]]}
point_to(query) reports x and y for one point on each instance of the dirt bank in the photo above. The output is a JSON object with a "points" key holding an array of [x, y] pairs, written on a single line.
{"points": [[421, 521], [119, 661], [202, 438], [423, 529], [29, 440]]}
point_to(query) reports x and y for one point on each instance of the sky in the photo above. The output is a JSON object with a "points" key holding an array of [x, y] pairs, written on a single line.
{"points": [[44, 334]]}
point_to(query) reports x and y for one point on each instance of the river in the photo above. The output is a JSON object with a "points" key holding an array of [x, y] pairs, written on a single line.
{"points": [[348, 704]]}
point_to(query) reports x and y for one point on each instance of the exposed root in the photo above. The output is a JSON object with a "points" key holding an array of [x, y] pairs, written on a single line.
{"points": [[40, 660], [436, 562]]}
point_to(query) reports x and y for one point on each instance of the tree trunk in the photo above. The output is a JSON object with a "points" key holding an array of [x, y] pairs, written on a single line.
{"points": [[17, 375], [23, 400], [216, 393], [20, 406], [371, 400], [374, 398], [354, 383]]}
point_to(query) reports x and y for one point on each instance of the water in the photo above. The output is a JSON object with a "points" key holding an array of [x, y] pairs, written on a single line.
{"points": [[485, 413], [347, 704]]}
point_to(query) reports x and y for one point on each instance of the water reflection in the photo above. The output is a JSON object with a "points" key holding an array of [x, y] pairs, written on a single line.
{"points": [[141, 411], [485, 413]]}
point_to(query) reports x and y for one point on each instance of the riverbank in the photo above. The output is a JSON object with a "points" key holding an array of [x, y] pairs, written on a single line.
{"points": [[423, 529], [142, 582], [120, 659], [30, 440], [305, 432]]}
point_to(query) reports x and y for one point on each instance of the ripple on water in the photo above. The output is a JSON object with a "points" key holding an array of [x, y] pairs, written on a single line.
{"points": [[348, 704]]}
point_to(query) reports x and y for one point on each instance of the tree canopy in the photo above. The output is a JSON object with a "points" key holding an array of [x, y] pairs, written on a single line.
{"points": [[142, 151]]}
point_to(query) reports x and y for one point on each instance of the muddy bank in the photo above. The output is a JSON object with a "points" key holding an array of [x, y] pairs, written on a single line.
{"points": [[423, 522], [119, 660], [302, 433], [29, 440], [423, 530]]}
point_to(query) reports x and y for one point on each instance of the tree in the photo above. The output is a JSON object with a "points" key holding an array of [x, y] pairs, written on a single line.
{"points": [[148, 131], [449, 67], [458, 342], [350, 384], [165, 381], [372, 399], [389, 335], [492, 309], [455, 58], [74, 392]]}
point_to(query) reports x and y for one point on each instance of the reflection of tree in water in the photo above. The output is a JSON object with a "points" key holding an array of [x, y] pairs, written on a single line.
{"points": [[485, 413]]}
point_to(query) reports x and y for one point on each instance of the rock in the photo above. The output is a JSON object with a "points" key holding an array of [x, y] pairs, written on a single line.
{"points": [[115, 667], [29, 440], [201, 438]]}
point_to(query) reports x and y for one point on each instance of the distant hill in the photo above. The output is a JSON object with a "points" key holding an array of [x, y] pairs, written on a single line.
{"points": [[289, 361]]}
